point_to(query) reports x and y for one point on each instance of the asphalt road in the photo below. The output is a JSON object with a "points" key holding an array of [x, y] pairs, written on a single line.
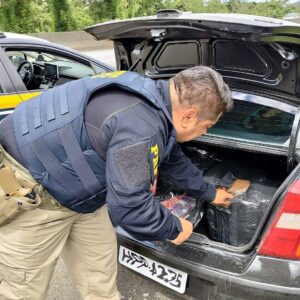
{"points": [[131, 285], [106, 56]]}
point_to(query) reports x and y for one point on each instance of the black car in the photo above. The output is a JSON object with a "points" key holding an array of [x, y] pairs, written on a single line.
{"points": [[252, 249], [29, 65]]}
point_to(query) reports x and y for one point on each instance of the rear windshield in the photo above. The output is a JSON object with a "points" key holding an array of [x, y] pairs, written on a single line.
{"points": [[255, 122]]}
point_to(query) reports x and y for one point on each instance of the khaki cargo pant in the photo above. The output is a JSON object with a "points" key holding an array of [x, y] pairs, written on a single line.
{"points": [[31, 244]]}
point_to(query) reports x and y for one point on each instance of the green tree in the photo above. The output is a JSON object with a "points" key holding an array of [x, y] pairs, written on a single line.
{"points": [[41, 17], [62, 15], [80, 14], [197, 6], [234, 6], [138, 8], [102, 10], [122, 9], [7, 14], [216, 6], [183, 5], [274, 8], [25, 16]]}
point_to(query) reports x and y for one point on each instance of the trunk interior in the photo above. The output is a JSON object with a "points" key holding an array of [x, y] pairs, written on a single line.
{"points": [[221, 166]]}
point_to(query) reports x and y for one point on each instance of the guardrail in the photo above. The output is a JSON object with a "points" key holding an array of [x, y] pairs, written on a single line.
{"points": [[79, 40]]}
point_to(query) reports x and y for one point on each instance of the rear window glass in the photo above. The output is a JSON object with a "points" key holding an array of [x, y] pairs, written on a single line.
{"points": [[255, 122], [246, 58], [179, 55]]}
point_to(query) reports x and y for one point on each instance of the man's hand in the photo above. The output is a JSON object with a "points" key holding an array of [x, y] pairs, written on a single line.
{"points": [[222, 198], [187, 229]]}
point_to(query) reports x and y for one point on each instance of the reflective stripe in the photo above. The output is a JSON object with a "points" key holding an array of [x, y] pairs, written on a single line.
{"points": [[289, 221], [64, 108], [50, 107], [37, 122], [23, 121]]}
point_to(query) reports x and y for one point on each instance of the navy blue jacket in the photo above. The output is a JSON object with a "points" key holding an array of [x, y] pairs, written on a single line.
{"points": [[52, 137]]}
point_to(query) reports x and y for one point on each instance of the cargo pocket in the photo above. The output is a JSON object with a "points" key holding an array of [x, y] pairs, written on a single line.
{"points": [[12, 283]]}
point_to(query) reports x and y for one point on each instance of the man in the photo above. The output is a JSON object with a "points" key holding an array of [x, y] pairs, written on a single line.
{"points": [[103, 140]]}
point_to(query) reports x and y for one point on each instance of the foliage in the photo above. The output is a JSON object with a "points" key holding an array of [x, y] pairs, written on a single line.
{"points": [[273, 8], [62, 15], [102, 10], [216, 6], [80, 14], [25, 16]]}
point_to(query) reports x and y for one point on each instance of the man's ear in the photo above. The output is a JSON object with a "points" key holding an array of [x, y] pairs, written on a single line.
{"points": [[189, 117]]}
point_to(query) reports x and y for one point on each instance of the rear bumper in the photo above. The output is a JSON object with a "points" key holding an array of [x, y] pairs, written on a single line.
{"points": [[265, 278]]}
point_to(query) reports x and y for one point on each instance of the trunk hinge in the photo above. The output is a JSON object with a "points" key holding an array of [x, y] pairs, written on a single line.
{"points": [[293, 141]]}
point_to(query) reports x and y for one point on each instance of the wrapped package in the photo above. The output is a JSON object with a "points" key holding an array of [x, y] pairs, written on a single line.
{"points": [[178, 202], [236, 225], [182, 206]]}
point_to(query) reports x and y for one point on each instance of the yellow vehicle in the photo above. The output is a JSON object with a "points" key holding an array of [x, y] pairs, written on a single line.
{"points": [[29, 65]]}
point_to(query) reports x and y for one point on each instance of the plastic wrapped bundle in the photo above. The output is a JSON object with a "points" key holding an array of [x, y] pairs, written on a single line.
{"points": [[182, 206], [237, 224], [180, 203]]}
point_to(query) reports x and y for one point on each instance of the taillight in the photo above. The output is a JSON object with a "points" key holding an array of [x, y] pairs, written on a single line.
{"points": [[282, 238]]}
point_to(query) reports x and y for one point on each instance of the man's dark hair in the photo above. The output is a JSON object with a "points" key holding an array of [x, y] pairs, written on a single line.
{"points": [[205, 89]]}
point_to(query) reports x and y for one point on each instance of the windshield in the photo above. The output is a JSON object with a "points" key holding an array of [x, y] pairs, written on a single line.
{"points": [[67, 66]]}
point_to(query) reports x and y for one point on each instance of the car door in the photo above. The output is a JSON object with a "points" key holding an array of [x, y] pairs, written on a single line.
{"points": [[74, 66], [9, 96]]}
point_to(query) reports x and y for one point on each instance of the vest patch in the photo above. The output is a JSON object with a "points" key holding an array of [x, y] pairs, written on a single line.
{"points": [[155, 159], [132, 162], [115, 74]]}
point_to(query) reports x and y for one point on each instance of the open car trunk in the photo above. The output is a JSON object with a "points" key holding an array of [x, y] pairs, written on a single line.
{"points": [[236, 225], [258, 58]]}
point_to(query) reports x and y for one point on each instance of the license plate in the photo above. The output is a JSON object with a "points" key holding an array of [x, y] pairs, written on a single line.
{"points": [[165, 275]]}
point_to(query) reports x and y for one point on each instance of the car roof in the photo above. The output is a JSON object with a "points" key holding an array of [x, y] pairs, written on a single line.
{"points": [[16, 38]]}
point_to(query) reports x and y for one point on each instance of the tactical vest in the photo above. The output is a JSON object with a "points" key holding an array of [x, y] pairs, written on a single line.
{"points": [[54, 144]]}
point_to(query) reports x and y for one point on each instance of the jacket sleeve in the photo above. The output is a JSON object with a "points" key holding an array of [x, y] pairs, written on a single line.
{"points": [[179, 169], [129, 200]]}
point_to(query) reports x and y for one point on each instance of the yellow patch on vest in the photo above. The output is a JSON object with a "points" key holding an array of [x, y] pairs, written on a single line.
{"points": [[154, 151], [109, 74]]}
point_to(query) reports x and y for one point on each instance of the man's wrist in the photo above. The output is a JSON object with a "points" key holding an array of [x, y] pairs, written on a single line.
{"points": [[177, 229], [210, 193], [213, 194]]}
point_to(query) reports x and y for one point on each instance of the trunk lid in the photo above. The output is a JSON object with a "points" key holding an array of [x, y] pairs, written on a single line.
{"points": [[253, 53]]}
